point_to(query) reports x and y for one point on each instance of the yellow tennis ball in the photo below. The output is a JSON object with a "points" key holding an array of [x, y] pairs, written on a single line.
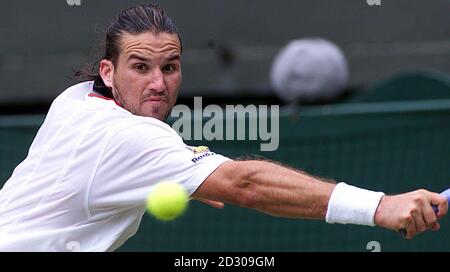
{"points": [[167, 201]]}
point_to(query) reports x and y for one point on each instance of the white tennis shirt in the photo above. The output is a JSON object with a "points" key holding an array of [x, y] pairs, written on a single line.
{"points": [[88, 172]]}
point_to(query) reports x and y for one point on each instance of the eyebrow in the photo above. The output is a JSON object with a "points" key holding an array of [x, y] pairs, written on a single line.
{"points": [[138, 57], [141, 58], [174, 57]]}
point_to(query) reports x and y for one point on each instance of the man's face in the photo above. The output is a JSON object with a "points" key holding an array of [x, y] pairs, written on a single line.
{"points": [[147, 76]]}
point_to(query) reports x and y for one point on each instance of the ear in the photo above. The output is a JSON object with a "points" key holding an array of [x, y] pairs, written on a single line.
{"points": [[106, 71]]}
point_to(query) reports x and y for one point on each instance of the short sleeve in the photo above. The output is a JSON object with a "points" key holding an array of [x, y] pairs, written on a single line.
{"points": [[141, 155]]}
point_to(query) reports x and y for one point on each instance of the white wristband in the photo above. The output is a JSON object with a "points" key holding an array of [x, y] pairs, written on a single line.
{"points": [[352, 205]]}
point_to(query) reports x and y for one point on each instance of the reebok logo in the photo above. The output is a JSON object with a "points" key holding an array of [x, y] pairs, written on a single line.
{"points": [[196, 159]]}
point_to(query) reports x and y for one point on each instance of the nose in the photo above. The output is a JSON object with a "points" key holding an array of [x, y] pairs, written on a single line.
{"points": [[156, 82]]}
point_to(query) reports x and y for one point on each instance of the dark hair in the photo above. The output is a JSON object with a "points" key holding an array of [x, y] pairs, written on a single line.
{"points": [[134, 20]]}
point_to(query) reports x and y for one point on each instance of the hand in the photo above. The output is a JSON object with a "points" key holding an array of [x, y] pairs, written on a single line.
{"points": [[411, 211]]}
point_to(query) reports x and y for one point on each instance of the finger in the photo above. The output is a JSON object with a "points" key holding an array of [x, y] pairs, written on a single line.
{"points": [[215, 204], [410, 228], [441, 203], [429, 216], [419, 222], [436, 226]]}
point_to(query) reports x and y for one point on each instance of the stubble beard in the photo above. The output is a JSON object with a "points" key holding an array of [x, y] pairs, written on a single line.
{"points": [[119, 99]]}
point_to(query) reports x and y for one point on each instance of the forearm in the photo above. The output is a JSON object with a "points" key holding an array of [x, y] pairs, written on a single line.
{"points": [[281, 191], [271, 188]]}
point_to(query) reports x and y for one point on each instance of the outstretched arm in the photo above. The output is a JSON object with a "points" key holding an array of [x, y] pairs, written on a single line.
{"points": [[281, 191], [269, 188]]}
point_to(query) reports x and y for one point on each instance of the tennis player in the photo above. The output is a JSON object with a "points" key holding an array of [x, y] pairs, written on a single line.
{"points": [[104, 144]]}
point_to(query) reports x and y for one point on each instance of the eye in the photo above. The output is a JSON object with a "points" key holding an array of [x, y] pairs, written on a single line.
{"points": [[169, 68], [140, 67]]}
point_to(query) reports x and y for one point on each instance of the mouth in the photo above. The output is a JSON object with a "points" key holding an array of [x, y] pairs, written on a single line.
{"points": [[155, 99]]}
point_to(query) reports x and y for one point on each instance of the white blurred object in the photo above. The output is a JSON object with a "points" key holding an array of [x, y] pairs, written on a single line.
{"points": [[309, 70]]}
